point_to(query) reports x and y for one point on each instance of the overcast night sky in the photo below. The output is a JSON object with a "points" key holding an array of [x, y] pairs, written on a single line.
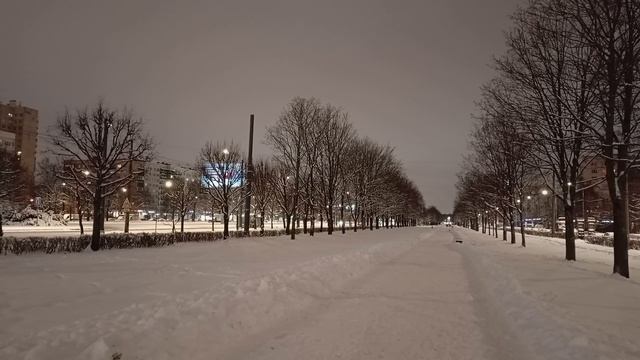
{"points": [[407, 72]]}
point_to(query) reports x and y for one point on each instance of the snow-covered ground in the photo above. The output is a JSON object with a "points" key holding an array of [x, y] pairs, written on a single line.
{"points": [[390, 294]]}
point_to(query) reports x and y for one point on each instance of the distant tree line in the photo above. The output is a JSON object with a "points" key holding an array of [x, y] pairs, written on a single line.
{"points": [[321, 172], [565, 93]]}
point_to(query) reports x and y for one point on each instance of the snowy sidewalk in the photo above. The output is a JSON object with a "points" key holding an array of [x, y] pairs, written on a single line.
{"points": [[556, 309], [414, 306]]}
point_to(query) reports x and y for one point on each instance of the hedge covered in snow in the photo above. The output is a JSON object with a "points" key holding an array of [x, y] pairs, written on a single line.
{"points": [[49, 245], [608, 241]]}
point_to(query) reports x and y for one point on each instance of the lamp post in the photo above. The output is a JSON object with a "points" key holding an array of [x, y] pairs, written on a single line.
{"points": [[545, 192], [167, 184]]}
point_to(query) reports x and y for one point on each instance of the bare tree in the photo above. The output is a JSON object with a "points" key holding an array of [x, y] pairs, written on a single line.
{"points": [[549, 95], [10, 172], [222, 174], [100, 141], [611, 29], [335, 138], [286, 139], [261, 188], [182, 196]]}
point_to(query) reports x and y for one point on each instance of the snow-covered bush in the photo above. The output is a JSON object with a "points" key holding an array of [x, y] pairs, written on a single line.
{"points": [[30, 217]]}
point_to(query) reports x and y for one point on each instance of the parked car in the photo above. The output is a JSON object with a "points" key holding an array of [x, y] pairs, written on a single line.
{"points": [[604, 227]]}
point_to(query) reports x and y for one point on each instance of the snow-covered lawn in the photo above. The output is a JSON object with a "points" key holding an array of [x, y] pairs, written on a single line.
{"points": [[172, 302], [391, 294], [570, 310]]}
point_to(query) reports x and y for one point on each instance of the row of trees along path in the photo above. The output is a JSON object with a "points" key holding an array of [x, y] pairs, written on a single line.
{"points": [[321, 170], [566, 93]]}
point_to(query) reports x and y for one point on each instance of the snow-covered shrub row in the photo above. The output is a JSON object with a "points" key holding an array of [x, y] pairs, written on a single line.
{"points": [[559, 235], [608, 241], [596, 240], [11, 245]]}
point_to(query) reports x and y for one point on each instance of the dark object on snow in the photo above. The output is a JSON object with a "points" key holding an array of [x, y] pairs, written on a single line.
{"points": [[459, 241]]}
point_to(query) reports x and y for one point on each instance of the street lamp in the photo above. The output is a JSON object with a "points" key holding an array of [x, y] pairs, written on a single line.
{"points": [[86, 173], [167, 184], [545, 192], [225, 151]]}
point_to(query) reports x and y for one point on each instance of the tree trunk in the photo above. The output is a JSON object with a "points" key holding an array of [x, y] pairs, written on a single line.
{"points": [[342, 212], [620, 231], [569, 232], [523, 241], [213, 219], [182, 222], [504, 228], [80, 220], [225, 218], [97, 216], [262, 222], [305, 219], [512, 227]]}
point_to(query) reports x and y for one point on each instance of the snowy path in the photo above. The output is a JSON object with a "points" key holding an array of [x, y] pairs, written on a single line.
{"points": [[414, 306], [388, 294]]}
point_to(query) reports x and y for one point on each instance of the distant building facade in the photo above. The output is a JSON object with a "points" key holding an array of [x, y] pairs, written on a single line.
{"points": [[7, 142], [596, 201], [157, 173], [22, 122]]}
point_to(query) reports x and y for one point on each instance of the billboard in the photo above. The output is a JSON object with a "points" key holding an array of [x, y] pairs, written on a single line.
{"points": [[216, 174]]}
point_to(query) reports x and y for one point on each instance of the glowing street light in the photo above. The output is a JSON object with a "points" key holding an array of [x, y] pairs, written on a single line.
{"points": [[528, 197], [545, 192], [225, 151], [168, 184], [86, 173], [124, 189]]}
